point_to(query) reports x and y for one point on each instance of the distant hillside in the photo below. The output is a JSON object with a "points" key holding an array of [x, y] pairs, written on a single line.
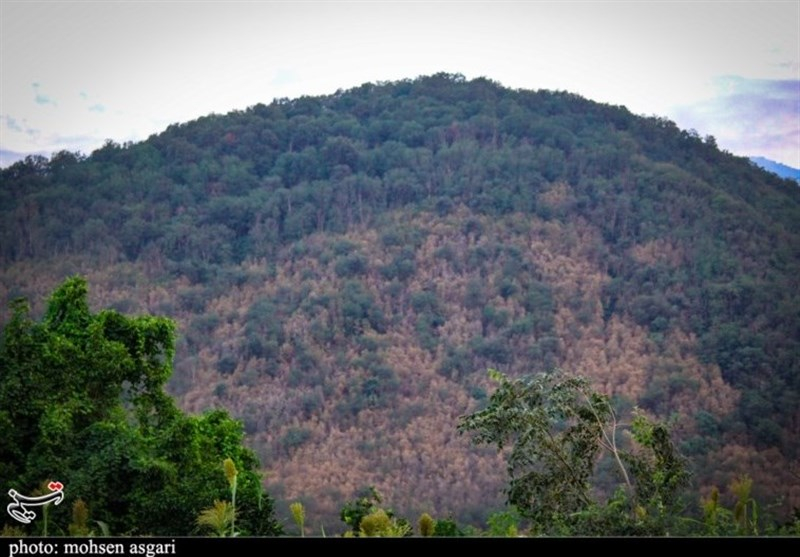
{"points": [[345, 268], [7, 158], [781, 170]]}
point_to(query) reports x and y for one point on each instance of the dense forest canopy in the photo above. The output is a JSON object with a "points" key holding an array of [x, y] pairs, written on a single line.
{"points": [[344, 268]]}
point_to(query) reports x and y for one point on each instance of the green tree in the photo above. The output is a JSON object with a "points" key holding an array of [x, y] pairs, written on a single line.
{"points": [[379, 524], [447, 528], [504, 524], [82, 401], [354, 511], [366, 519], [555, 437], [557, 428]]}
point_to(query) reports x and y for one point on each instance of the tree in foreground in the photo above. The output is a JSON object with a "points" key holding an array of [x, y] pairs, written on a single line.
{"points": [[557, 429], [82, 401], [366, 519]]}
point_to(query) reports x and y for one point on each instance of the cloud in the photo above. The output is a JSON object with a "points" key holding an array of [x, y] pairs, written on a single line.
{"points": [[19, 128], [750, 117], [11, 123], [41, 98], [97, 108]]}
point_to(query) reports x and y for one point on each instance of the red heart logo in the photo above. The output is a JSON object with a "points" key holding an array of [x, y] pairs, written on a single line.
{"points": [[55, 486]]}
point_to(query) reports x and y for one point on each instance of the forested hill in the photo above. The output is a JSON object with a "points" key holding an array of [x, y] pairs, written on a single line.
{"points": [[344, 269]]}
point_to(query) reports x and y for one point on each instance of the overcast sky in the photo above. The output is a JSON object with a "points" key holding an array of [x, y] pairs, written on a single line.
{"points": [[73, 74]]}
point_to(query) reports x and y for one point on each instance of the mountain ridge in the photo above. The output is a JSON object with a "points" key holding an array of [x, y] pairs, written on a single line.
{"points": [[782, 170]]}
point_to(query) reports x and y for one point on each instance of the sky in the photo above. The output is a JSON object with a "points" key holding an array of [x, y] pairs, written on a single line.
{"points": [[75, 74]]}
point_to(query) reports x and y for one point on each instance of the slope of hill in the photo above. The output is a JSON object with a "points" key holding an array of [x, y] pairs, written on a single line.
{"points": [[781, 170], [344, 268]]}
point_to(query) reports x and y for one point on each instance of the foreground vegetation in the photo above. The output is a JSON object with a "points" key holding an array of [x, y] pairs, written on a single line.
{"points": [[82, 403]]}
